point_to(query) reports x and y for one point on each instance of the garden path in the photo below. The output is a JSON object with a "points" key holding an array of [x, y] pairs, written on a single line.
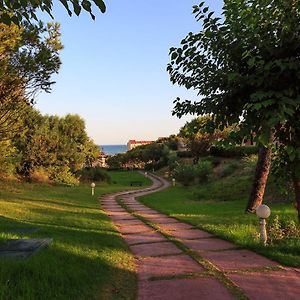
{"points": [[177, 261]]}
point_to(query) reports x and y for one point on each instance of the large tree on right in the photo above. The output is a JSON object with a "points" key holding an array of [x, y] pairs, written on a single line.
{"points": [[245, 67]]}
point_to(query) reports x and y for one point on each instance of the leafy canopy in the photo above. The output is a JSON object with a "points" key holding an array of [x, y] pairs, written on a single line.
{"points": [[245, 67], [18, 10]]}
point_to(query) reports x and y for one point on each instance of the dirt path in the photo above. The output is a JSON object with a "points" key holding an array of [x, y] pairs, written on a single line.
{"points": [[176, 261]]}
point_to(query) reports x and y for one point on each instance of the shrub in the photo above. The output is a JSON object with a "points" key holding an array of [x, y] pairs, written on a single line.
{"points": [[185, 174], [39, 175], [202, 170], [238, 151], [228, 169], [63, 175], [280, 229], [94, 174], [184, 154]]}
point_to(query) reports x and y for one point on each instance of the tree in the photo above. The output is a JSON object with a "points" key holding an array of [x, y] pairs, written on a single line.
{"points": [[29, 55], [18, 10], [199, 137], [246, 68]]}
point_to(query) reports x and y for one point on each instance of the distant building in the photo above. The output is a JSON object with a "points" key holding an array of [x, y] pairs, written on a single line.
{"points": [[133, 144]]}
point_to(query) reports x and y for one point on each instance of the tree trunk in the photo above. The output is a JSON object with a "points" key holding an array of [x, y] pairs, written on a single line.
{"points": [[296, 181], [260, 180]]}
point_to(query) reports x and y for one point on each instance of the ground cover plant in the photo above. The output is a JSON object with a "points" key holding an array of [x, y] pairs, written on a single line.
{"points": [[218, 207], [87, 259]]}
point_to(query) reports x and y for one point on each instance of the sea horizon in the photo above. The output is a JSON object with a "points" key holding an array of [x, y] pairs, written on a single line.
{"points": [[112, 149]]}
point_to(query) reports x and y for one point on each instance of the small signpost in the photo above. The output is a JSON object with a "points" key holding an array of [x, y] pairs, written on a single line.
{"points": [[93, 188]]}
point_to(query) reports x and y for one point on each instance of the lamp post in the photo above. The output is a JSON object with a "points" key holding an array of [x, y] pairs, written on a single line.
{"points": [[93, 188], [263, 212]]}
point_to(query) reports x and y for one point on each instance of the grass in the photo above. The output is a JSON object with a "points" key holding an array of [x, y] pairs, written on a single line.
{"points": [[218, 207], [88, 259]]}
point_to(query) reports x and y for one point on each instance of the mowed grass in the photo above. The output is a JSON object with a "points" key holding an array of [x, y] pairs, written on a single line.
{"points": [[88, 259], [218, 207]]}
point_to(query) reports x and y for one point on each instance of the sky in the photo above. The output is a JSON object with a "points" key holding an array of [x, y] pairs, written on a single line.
{"points": [[113, 71]]}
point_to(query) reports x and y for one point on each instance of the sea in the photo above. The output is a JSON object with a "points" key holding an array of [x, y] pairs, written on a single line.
{"points": [[113, 149]]}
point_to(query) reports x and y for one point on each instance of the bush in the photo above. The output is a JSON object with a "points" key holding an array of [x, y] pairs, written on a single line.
{"points": [[63, 175], [249, 162], [238, 151], [280, 229], [185, 174], [228, 169], [94, 174], [184, 154], [39, 175], [202, 170]]}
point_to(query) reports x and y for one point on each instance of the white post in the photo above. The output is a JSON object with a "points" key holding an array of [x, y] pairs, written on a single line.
{"points": [[93, 188], [174, 181], [263, 231], [263, 212]]}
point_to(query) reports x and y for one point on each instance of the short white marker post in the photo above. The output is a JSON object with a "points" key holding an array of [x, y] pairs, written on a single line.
{"points": [[263, 212], [173, 181], [93, 188]]}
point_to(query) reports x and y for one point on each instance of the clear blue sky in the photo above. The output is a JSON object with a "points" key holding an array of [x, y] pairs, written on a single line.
{"points": [[113, 70]]}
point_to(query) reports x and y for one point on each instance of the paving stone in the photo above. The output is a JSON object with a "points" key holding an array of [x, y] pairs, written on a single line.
{"points": [[237, 259], [175, 226], [279, 285], [127, 216], [155, 249], [129, 229], [190, 234], [145, 237], [162, 220], [22, 248], [204, 288], [118, 213], [166, 266], [118, 209], [153, 215], [208, 244], [129, 222]]}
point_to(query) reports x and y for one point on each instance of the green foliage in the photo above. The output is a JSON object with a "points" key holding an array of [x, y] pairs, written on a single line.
{"points": [[17, 11], [200, 134], [54, 142], [245, 66], [185, 154], [229, 169], [190, 174], [202, 170], [279, 229], [94, 174], [29, 56], [185, 174], [9, 158], [231, 152], [151, 156], [63, 175]]}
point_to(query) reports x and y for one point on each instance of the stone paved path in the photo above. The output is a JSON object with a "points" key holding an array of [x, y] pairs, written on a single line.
{"points": [[176, 261]]}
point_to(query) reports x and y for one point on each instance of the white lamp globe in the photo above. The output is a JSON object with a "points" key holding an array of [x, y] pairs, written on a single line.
{"points": [[93, 184], [263, 211]]}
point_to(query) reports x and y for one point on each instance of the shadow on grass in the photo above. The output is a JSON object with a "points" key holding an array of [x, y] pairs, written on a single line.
{"points": [[78, 265]]}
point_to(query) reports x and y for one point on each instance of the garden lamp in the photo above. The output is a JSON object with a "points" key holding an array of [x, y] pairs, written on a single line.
{"points": [[263, 212], [93, 188]]}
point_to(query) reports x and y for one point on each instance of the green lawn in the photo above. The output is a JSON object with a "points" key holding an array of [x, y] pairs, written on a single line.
{"points": [[87, 259], [218, 207]]}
